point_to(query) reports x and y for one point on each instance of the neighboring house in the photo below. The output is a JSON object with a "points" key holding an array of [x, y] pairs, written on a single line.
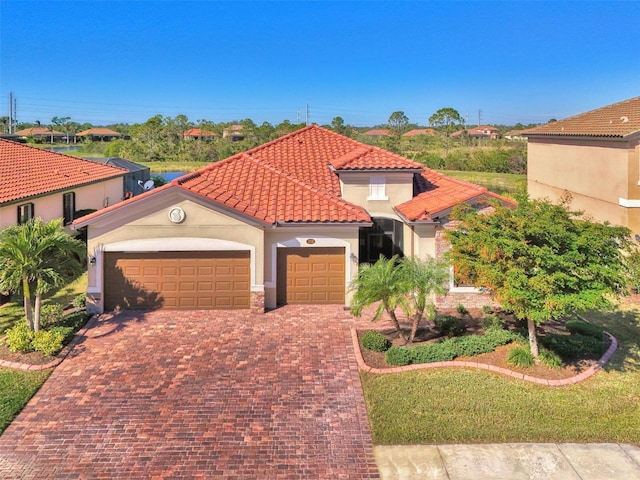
{"points": [[377, 133], [40, 183], [419, 131], [234, 133], [43, 134], [285, 222], [515, 135], [484, 131], [100, 134], [134, 179], [198, 134], [595, 157]]}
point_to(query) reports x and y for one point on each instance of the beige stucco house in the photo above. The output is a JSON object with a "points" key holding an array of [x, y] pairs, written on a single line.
{"points": [[40, 183], [285, 222], [595, 157]]}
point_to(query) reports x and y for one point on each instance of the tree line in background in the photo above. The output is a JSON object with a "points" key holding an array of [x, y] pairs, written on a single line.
{"points": [[162, 138]]}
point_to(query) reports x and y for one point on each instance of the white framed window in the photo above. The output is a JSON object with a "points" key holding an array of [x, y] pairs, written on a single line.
{"points": [[25, 213], [377, 188], [456, 287]]}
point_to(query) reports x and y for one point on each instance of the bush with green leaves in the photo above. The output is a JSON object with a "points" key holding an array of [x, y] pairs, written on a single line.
{"points": [[584, 328], [50, 315], [520, 356], [449, 326], [570, 347], [487, 310], [461, 309], [550, 359], [19, 338], [433, 352], [398, 356], [48, 341], [492, 321], [80, 301], [375, 341]]}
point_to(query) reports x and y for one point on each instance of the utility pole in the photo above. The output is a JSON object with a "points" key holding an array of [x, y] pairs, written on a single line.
{"points": [[307, 120], [479, 111], [11, 107]]}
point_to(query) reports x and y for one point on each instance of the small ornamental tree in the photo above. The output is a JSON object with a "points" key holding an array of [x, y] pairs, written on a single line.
{"points": [[540, 260]]}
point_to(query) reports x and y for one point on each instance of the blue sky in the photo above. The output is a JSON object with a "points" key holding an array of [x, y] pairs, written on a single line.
{"points": [[123, 61]]}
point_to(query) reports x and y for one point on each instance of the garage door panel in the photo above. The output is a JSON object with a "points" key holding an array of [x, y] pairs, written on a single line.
{"points": [[177, 280], [311, 275]]}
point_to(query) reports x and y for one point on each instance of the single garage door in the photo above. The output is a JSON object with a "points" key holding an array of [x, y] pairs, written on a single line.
{"points": [[177, 280], [310, 275]]}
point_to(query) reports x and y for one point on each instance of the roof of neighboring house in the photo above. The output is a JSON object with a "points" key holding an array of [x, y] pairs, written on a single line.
{"points": [[120, 163], [419, 131], [37, 132], [618, 120], [378, 132], [28, 171], [99, 132], [293, 180], [198, 132], [439, 193]]}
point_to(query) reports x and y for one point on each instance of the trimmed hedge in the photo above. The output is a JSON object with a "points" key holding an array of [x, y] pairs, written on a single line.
{"points": [[398, 356], [570, 347], [375, 341], [584, 328]]}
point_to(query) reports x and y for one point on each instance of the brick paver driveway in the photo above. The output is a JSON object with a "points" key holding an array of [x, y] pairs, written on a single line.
{"points": [[200, 395]]}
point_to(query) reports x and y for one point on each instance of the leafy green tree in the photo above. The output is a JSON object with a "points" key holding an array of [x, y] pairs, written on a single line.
{"points": [[398, 122], [540, 260], [447, 120], [338, 126], [36, 257], [424, 278], [380, 282]]}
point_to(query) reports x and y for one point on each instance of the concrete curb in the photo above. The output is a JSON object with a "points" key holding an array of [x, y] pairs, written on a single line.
{"points": [[504, 371], [62, 354]]}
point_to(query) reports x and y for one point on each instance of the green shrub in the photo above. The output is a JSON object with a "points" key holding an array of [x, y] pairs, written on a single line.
{"points": [[550, 359], [19, 338], [434, 352], [80, 302], [398, 356], [570, 347], [461, 309], [50, 315], [584, 328], [486, 309], [520, 356], [375, 341], [449, 326], [48, 341], [492, 321]]}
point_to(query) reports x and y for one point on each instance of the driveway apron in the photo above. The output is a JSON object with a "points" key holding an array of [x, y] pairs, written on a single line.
{"points": [[200, 395]]}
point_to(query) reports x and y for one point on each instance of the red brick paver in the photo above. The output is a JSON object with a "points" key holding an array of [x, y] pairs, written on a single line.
{"points": [[200, 395]]}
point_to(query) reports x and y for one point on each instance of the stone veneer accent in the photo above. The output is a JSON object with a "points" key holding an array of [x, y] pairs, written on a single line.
{"points": [[257, 302]]}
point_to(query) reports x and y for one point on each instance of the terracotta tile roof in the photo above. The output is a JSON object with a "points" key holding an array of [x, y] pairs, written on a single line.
{"points": [[419, 131], [618, 120], [37, 132], [198, 132], [438, 193], [268, 194], [378, 132], [99, 131], [373, 158], [28, 171]]}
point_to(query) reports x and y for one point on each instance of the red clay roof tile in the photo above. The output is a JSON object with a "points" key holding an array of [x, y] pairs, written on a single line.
{"points": [[28, 171], [618, 120]]}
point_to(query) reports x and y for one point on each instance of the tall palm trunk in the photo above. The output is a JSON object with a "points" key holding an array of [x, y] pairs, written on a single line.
{"points": [[28, 311], [36, 313], [415, 321], [533, 339], [396, 323]]}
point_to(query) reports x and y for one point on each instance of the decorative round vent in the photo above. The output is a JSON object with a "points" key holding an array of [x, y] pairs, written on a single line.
{"points": [[176, 215]]}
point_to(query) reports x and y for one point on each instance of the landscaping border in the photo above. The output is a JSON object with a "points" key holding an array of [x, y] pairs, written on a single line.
{"points": [[62, 354], [521, 376]]}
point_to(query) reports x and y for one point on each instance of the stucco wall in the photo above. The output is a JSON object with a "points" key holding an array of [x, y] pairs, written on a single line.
{"points": [[602, 176], [147, 227], [94, 196], [312, 236], [355, 189]]}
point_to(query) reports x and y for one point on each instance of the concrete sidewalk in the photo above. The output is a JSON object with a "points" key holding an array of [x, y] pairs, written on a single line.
{"points": [[526, 461]]}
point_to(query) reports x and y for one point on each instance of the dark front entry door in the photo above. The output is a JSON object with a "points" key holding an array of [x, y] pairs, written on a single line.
{"points": [[383, 238]]}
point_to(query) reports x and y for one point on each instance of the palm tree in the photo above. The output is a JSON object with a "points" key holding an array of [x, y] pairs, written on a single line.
{"points": [[427, 277], [381, 282], [36, 257]]}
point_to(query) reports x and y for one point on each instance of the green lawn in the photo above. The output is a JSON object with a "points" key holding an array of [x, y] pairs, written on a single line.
{"points": [[506, 184], [16, 389], [473, 406]]}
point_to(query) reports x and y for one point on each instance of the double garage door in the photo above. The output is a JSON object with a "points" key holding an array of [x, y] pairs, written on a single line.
{"points": [[218, 280], [177, 280]]}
